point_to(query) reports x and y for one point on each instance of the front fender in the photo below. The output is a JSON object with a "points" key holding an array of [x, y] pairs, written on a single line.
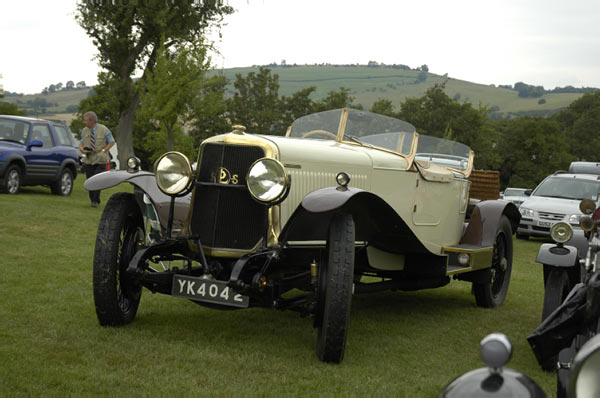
{"points": [[483, 224], [146, 182], [14, 158], [552, 254], [375, 220], [109, 179]]}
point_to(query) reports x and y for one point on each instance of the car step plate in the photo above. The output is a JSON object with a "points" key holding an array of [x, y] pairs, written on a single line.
{"points": [[207, 290]]}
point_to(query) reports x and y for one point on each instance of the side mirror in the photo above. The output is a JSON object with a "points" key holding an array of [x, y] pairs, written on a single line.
{"points": [[528, 192], [33, 143]]}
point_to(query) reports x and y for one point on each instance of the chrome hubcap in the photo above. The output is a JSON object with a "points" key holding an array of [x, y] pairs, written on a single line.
{"points": [[66, 184], [13, 181]]}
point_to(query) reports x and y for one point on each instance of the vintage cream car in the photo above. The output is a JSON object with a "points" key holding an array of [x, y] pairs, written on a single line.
{"points": [[347, 202]]}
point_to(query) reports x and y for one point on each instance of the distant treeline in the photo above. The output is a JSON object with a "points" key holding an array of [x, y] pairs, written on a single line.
{"points": [[371, 64], [70, 85], [530, 91]]}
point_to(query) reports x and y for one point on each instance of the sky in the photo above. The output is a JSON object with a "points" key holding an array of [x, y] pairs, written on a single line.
{"points": [[541, 42]]}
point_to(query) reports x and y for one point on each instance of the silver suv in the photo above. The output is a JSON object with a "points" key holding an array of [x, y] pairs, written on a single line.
{"points": [[557, 198]]}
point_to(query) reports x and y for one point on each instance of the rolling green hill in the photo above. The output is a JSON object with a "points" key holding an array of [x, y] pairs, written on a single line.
{"points": [[366, 83]]}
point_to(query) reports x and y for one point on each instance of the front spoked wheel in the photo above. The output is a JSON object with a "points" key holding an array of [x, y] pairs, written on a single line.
{"points": [[493, 293], [120, 235], [335, 290]]}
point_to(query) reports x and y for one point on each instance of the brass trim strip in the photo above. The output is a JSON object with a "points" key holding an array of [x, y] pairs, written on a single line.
{"points": [[480, 258]]}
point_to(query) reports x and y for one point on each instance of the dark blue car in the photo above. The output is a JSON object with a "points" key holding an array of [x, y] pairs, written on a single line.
{"points": [[36, 152]]}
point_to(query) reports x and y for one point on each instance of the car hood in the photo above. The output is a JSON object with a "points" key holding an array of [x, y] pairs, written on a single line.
{"points": [[10, 145], [302, 151], [552, 205]]}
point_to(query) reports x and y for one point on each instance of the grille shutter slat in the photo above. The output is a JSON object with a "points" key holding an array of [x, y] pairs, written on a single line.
{"points": [[226, 217]]}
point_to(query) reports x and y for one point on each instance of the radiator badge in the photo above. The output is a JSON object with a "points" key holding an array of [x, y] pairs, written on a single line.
{"points": [[225, 177]]}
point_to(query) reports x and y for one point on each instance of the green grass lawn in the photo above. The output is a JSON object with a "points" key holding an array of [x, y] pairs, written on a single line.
{"points": [[404, 344]]}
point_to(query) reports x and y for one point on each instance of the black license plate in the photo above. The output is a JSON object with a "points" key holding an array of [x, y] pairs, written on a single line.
{"points": [[207, 290]]}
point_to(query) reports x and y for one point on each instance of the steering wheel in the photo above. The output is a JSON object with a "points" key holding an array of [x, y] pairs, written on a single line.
{"points": [[322, 132]]}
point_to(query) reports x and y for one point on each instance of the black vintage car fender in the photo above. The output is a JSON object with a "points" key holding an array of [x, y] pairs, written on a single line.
{"points": [[484, 220], [374, 218], [575, 248], [146, 183], [552, 254]]}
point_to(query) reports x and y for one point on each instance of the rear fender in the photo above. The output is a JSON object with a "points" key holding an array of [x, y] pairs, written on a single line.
{"points": [[481, 230], [375, 220], [144, 181], [70, 165]]}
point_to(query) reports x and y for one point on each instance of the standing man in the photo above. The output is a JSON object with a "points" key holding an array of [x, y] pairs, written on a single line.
{"points": [[96, 140]]}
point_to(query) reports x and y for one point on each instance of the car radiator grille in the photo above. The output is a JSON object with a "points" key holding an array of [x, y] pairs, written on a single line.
{"points": [[551, 216], [225, 216]]}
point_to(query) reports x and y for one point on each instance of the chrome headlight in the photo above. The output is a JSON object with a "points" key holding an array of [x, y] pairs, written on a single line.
{"points": [[133, 164], [267, 181], [561, 232], [173, 173], [526, 212]]}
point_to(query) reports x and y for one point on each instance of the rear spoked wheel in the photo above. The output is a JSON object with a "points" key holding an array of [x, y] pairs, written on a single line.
{"points": [[493, 293], [335, 290], [120, 234]]}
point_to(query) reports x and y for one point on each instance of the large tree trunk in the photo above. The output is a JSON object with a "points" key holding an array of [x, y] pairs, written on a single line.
{"points": [[125, 133]]}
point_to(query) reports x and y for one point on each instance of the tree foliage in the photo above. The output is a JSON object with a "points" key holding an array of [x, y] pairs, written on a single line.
{"points": [[171, 88], [129, 35], [337, 99], [256, 103], [581, 122], [533, 148], [210, 110], [7, 108]]}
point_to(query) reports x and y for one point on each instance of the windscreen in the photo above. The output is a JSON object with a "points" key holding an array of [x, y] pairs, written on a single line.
{"points": [[364, 128], [568, 188], [322, 125], [380, 131], [13, 130], [443, 152], [514, 192]]}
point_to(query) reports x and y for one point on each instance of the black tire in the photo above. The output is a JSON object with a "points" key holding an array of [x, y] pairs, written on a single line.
{"points": [[336, 284], [64, 185], [557, 289], [493, 293], [12, 180], [116, 294]]}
